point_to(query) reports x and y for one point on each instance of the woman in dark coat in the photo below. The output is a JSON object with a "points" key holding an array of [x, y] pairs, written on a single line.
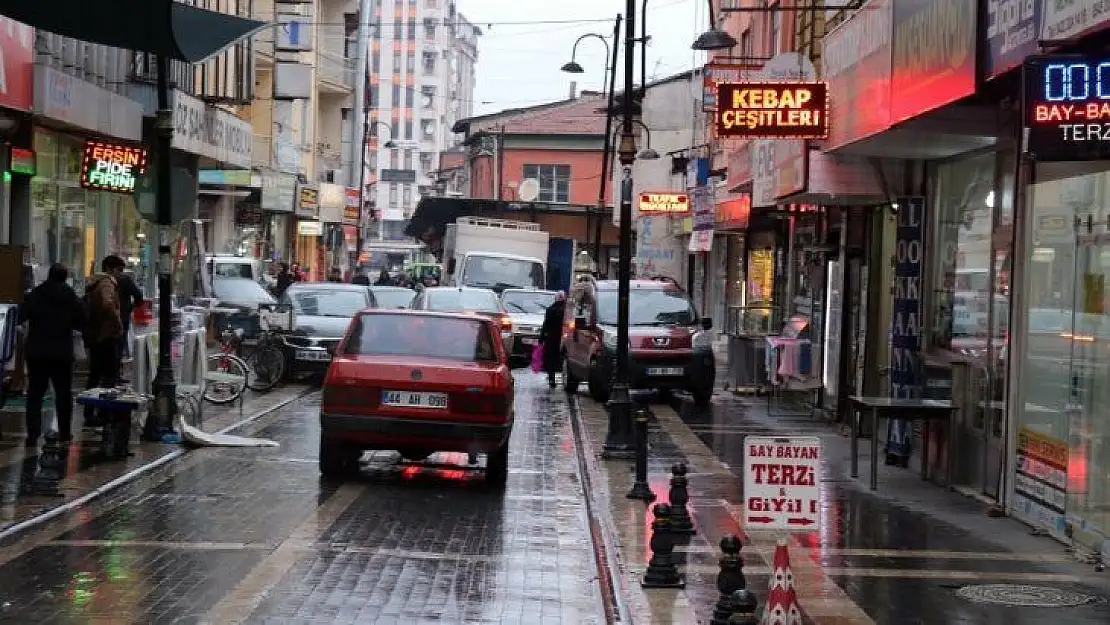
{"points": [[551, 337]]}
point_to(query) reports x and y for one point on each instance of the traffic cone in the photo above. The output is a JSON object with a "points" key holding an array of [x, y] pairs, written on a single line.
{"points": [[782, 606]]}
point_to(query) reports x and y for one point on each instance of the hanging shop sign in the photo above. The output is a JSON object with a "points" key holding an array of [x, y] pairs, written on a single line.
{"points": [[1067, 107], [734, 214], [933, 58], [773, 110], [856, 64], [333, 202], [308, 201], [22, 161], [664, 203], [352, 211], [279, 191], [781, 483], [1069, 20], [1012, 27], [214, 133], [17, 58], [112, 167]]}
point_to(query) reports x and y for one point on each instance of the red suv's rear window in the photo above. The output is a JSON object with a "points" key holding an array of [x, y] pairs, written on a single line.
{"points": [[420, 335]]}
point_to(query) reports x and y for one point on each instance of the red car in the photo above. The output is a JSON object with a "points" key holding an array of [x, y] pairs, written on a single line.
{"points": [[417, 382]]}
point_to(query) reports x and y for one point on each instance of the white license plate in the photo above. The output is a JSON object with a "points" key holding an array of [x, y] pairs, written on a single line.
{"points": [[665, 371], [410, 399], [528, 341], [312, 355]]}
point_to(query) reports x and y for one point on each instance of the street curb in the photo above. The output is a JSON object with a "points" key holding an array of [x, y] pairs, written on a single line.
{"points": [[601, 536], [137, 472]]}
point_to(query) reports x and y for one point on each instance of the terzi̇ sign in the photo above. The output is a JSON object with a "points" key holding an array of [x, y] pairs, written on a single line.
{"points": [[1067, 107], [112, 166], [773, 110], [663, 203]]}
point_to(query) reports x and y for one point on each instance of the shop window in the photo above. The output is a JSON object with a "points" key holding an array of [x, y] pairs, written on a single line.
{"points": [[554, 181]]}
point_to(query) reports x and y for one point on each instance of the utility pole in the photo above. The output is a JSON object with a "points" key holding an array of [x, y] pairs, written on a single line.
{"points": [[357, 157]]}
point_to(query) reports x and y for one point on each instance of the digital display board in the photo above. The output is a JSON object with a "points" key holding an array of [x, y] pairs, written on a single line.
{"points": [[1067, 107], [773, 110], [115, 167], [664, 203]]}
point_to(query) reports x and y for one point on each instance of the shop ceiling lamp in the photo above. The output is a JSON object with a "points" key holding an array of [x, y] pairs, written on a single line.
{"points": [[714, 38], [989, 200]]}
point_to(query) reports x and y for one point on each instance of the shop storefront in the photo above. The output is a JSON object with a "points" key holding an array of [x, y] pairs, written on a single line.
{"points": [[278, 195], [309, 233], [76, 221], [230, 205], [333, 207]]}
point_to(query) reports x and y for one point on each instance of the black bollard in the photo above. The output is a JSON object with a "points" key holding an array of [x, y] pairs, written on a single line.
{"points": [[51, 465], [681, 524], [745, 608], [729, 580], [662, 572], [640, 488]]}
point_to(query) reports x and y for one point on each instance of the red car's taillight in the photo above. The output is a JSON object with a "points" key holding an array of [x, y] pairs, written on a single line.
{"points": [[338, 396], [480, 403]]}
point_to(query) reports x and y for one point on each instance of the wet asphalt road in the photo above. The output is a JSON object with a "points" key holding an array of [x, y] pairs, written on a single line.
{"points": [[255, 536]]}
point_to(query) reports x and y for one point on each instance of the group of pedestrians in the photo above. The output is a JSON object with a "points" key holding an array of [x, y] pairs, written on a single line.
{"points": [[60, 325]]}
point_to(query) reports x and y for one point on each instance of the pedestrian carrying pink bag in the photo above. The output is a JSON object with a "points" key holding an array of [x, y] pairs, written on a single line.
{"points": [[537, 358]]}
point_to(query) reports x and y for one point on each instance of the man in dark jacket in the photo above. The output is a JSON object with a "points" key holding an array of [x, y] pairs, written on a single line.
{"points": [[129, 299], [103, 329], [285, 279], [384, 279], [551, 337], [53, 314]]}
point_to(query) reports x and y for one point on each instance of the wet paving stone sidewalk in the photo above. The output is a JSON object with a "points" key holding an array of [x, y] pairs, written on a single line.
{"points": [[876, 559], [255, 536]]}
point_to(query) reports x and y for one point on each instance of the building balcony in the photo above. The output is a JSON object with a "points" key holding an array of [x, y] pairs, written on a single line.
{"points": [[334, 73]]}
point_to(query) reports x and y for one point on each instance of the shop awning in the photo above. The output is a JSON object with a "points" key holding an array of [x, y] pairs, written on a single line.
{"points": [[166, 28]]}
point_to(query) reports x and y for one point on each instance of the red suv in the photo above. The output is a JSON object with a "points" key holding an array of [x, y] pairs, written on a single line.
{"points": [[670, 348]]}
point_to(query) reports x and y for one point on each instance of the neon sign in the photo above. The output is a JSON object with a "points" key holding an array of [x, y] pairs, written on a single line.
{"points": [[112, 167], [664, 203], [1067, 107], [773, 110]]}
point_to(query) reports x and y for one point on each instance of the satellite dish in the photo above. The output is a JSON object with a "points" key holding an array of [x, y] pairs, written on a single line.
{"points": [[528, 190]]}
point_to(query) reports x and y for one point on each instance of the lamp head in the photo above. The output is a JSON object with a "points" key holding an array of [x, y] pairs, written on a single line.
{"points": [[573, 67], [714, 39]]}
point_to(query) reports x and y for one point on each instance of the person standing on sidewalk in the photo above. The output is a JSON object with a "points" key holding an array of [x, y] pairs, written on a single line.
{"points": [[551, 337], [103, 329], [53, 315], [130, 296]]}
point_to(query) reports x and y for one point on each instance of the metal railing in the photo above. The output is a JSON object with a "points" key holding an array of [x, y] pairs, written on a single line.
{"points": [[754, 320], [335, 69]]}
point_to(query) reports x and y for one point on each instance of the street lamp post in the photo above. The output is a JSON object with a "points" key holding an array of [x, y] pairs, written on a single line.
{"points": [[362, 171]]}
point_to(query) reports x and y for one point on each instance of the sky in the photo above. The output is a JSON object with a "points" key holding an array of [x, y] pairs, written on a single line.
{"points": [[519, 55]]}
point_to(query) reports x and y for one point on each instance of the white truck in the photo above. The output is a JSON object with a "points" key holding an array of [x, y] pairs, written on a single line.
{"points": [[495, 254]]}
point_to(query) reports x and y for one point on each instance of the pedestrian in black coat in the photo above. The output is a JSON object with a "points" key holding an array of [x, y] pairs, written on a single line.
{"points": [[53, 314], [551, 337]]}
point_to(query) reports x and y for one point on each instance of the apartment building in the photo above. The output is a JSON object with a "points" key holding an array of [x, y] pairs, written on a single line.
{"points": [[423, 55], [62, 93]]}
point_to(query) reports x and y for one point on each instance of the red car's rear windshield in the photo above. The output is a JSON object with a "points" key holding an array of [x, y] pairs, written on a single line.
{"points": [[420, 335]]}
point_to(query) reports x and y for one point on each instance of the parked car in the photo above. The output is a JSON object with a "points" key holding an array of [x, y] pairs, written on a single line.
{"points": [[238, 300], [670, 348], [526, 308], [417, 383], [467, 299], [392, 296], [321, 313]]}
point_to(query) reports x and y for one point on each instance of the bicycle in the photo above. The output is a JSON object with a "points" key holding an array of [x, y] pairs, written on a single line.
{"points": [[266, 361], [227, 376]]}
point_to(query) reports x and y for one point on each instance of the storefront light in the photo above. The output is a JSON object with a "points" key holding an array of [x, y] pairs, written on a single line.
{"points": [[989, 201]]}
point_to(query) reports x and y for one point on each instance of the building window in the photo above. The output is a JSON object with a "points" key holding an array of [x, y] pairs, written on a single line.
{"points": [[427, 129], [393, 158], [408, 158], [397, 31], [746, 48], [554, 181], [410, 63], [776, 31], [426, 161], [412, 30], [393, 129], [406, 201], [429, 29], [410, 95], [375, 62], [373, 160], [393, 195], [429, 63], [431, 4], [374, 93], [427, 96], [408, 129], [396, 95]]}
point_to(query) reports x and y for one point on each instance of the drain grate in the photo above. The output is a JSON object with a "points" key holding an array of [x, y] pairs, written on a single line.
{"points": [[1024, 596]]}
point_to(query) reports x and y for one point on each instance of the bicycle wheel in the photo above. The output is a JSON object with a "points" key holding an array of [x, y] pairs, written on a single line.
{"points": [[226, 379], [267, 367]]}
